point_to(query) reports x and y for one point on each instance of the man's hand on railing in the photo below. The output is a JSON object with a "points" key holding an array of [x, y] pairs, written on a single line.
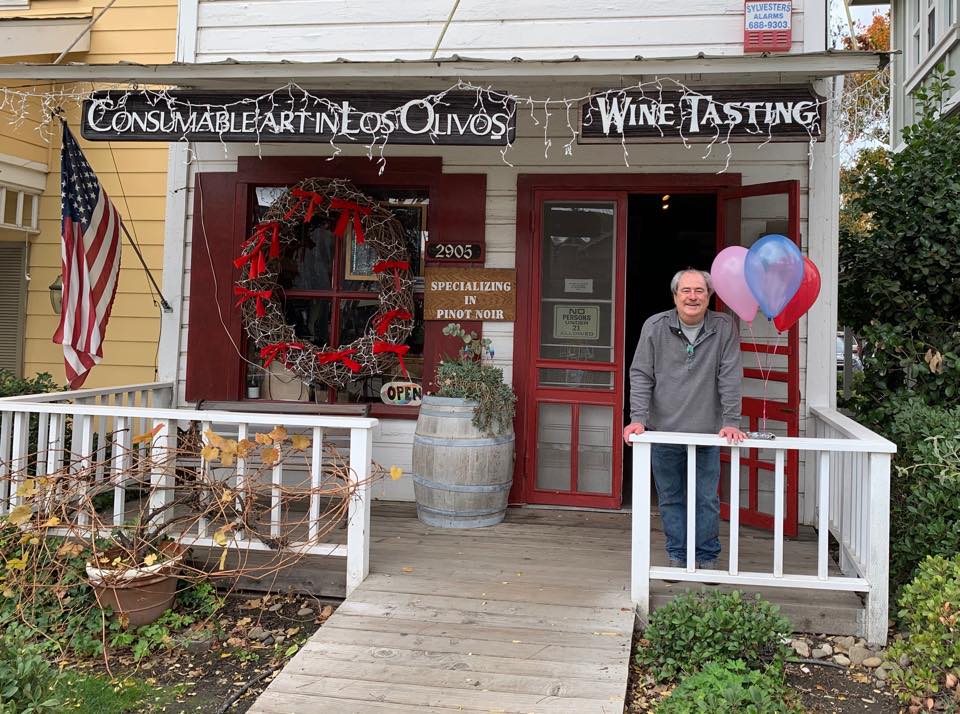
{"points": [[635, 428], [732, 434]]}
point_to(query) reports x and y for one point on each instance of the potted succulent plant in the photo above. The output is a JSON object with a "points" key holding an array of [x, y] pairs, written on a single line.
{"points": [[464, 444]]}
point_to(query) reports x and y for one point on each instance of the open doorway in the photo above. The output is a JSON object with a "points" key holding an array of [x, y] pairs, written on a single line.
{"points": [[665, 233]]}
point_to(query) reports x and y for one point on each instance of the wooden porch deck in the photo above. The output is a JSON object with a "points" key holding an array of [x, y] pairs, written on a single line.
{"points": [[533, 615]]}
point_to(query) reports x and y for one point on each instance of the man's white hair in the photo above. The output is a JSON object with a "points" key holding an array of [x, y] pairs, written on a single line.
{"points": [[675, 283]]}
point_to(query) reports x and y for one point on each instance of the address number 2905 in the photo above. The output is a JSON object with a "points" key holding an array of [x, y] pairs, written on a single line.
{"points": [[454, 251]]}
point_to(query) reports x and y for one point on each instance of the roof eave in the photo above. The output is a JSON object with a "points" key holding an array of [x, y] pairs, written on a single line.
{"points": [[819, 64]]}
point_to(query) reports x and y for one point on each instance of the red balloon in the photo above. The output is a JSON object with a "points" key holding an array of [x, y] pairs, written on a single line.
{"points": [[803, 300]]}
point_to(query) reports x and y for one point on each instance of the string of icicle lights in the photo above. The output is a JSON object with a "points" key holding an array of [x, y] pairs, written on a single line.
{"points": [[30, 105]]}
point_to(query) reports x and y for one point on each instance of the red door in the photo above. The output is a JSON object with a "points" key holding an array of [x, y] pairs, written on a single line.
{"points": [[572, 447], [771, 388]]}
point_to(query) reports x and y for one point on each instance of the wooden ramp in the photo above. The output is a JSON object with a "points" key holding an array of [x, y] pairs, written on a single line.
{"points": [[532, 615]]}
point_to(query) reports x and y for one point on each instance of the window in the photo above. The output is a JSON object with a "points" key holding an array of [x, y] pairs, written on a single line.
{"points": [[915, 39], [329, 290], [18, 209], [931, 23]]}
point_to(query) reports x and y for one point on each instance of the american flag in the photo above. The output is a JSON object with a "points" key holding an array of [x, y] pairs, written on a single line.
{"points": [[91, 262]]}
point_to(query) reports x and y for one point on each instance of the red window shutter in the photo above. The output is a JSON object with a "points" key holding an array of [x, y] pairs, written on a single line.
{"points": [[458, 210], [213, 365]]}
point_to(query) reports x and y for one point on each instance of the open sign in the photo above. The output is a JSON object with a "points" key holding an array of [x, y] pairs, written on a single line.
{"points": [[401, 394]]}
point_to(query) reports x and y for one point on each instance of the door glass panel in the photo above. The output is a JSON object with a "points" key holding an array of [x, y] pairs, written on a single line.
{"points": [[595, 450], [554, 422], [577, 281], [576, 379]]}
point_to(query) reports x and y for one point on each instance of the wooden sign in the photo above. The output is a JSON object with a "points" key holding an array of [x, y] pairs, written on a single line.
{"points": [[401, 394], [760, 114], [453, 294], [456, 118], [454, 252]]}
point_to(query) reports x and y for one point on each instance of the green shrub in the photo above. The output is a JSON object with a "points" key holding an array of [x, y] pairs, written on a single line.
{"points": [[732, 688], [14, 386], [929, 608], [27, 681], [697, 628], [925, 489]]}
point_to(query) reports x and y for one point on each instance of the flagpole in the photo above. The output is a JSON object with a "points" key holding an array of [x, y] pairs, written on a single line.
{"points": [[164, 305]]}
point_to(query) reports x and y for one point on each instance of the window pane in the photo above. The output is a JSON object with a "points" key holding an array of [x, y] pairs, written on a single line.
{"points": [[554, 422], [595, 450], [10, 207], [577, 269], [931, 29], [408, 207], [310, 319], [355, 316], [28, 208], [576, 379]]}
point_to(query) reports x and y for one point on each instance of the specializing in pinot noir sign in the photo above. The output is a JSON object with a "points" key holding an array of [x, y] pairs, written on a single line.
{"points": [[743, 114], [364, 117]]}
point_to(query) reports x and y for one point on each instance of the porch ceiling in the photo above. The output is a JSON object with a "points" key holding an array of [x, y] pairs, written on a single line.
{"points": [[769, 67]]}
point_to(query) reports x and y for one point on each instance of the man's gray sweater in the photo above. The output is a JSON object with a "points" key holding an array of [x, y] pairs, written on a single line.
{"points": [[679, 386]]}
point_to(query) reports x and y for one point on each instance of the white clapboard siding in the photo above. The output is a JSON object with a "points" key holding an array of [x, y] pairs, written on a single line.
{"points": [[306, 30], [772, 162]]}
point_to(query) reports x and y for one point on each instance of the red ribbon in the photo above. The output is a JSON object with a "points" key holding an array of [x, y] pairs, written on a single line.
{"points": [[395, 265], [260, 296], [382, 322], [349, 211], [380, 347], [341, 356], [315, 200], [278, 350], [258, 265]]}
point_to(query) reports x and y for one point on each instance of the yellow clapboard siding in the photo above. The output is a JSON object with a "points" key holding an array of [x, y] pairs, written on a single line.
{"points": [[47, 255], [127, 304], [133, 174], [133, 353]]}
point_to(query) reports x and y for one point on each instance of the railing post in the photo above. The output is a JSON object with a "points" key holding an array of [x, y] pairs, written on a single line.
{"points": [[640, 532], [358, 525], [163, 462], [878, 549]]}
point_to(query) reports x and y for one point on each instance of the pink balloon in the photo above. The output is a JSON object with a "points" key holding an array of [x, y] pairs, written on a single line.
{"points": [[730, 284]]}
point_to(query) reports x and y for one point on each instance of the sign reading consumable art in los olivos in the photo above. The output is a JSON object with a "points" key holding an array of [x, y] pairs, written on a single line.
{"points": [[782, 113], [453, 294], [362, 116]]}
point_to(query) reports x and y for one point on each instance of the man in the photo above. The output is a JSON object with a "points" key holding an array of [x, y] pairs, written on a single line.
{"points": [[686, 376]]}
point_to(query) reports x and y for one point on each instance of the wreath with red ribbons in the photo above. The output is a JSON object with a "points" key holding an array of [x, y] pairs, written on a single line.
{"points": [[258, 289]]}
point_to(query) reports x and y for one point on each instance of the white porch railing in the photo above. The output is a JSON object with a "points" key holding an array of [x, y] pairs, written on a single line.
{"points": [[104, 422], [853, 492]]}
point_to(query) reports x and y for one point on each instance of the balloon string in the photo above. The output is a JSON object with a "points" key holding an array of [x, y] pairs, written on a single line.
{"points": [[764, 377]]}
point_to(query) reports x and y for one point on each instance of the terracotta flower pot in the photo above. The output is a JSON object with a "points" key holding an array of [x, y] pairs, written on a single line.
{"points": [[142, 593]]}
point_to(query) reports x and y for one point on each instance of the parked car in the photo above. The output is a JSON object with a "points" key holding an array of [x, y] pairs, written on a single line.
{"points": [[855, 354]]}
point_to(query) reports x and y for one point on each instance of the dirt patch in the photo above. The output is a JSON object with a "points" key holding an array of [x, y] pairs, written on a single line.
{"points": [[831, 689], [256, 636]]}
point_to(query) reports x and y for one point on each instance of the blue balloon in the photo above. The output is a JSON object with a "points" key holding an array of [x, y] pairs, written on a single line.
{"points": [[773, 269]]}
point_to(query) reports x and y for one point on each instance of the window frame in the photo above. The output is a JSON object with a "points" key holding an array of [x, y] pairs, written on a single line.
{"points": [[18, 224], [337, 293], [212, 370]]}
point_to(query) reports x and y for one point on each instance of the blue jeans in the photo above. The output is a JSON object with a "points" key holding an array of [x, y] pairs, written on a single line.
{"points": [[669, 463]]}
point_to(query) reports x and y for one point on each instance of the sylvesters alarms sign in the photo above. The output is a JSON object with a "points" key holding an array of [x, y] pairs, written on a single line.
{"points": [[397, 117]]}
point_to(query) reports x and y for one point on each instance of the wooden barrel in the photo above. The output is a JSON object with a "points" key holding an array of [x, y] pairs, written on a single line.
{"points": [[461, 476]]}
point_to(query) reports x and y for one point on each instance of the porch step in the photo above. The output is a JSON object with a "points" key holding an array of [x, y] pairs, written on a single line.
{"points": [[822, 612]]}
